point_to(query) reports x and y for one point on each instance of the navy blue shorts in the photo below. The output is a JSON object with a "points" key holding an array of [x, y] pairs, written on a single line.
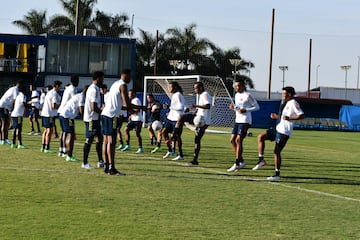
{"points": [[47, 122], [34, 112], [134, 125], [271, 134], [92, 129], [17, 122], [67, 124], [4, 113], [109, 125], [240, 129], [170, 125], [281, 140]]}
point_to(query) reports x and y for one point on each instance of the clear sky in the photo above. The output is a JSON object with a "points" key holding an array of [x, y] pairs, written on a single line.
{"points": [[332, 25]]}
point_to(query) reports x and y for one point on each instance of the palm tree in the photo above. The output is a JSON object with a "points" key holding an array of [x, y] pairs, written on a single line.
{"points": [[35, 22], [108, 26], [85, 15], [185, 46]]}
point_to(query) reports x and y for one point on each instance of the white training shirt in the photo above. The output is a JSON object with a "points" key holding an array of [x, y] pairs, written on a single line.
{"points": [[92, 96], [69, 92], [9, 97], [51, 97], [19, 105], [291, 109], [247, 101], [177, 106], [72, 107], [35, 99], [136, 116], [113, 100], [204, 99]]}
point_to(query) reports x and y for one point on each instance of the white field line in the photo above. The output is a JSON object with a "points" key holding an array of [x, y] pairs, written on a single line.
{"points": [[274, 183]]}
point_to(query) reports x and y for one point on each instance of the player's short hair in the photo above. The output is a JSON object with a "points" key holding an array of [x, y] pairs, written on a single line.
{"points": [[290, 90], [97, 74]]}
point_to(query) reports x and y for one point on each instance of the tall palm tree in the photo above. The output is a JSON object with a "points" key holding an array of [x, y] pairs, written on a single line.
{"points": [[109, 26], [34, 22], [184, 44], [85, 15]]}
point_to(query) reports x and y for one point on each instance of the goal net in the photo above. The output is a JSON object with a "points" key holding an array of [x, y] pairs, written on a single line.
{"points": [[221, 115]]}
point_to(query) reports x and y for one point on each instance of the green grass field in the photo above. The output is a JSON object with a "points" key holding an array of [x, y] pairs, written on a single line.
{"points": [[44, 197]]}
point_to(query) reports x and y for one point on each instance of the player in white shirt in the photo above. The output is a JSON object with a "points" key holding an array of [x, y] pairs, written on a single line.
{"points": [[202, 109], [245, 103], [135, 122], [34, 103], [115, 103], [284, 128], [6, 105], [49, 111], [17, 118], [69, 92], [73, 108], [92, 110], [177, 107]]}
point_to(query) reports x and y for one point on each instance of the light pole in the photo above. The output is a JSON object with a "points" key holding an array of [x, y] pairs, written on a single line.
{"points": [[345, 68], [283, 69], [317, 75], [235, 62], [357, 80], [174, 63]]}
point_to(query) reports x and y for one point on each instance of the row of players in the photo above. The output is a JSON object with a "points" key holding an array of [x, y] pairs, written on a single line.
{"points": [[103, 119]]}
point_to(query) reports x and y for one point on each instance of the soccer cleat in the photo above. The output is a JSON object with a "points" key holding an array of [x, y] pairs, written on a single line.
{"points": [[106, 170], [242, 164], [6, 142], [156, 149], [42, 149], [120, 147], [140, 150], [31, 133], [178, 158], [259, 165], [168, 154], [86, 166], [192, 163], [48, 151], [22, 147], [2, 142], [61, 154], [115, 172], [37, 133], [71, 159], [13, 146], [273, 178], [126, 148], [100, 164], [234, 168]]}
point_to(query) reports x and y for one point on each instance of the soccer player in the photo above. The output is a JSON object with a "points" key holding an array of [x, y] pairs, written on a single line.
{"points": [[69, 92], [245, 103], [176, 107], [6, 105], [48, 112], [284, 128], [116, 101], [34, 112], [17, 118], [202, 109], [268, 134], [73, 108], [92, 110], [154, 108], [135, 122]]}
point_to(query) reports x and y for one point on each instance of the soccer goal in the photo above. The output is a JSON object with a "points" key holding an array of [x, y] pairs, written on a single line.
{"points": [[221, 115]]}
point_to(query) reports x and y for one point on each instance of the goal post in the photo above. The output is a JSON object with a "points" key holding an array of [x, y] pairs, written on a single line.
{"points": [[221, 115]]}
